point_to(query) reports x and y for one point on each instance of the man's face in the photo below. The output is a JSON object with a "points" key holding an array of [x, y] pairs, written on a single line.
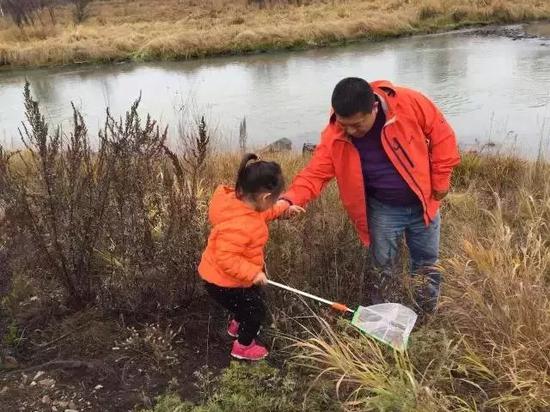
{"points": [[359, 124]]}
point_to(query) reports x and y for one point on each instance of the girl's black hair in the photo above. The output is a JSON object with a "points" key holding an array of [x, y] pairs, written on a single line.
{"points": [[259, 176]]}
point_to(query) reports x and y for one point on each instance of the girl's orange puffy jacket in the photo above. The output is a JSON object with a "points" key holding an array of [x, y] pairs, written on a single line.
{"points": [[235, 250], [417, 139]]}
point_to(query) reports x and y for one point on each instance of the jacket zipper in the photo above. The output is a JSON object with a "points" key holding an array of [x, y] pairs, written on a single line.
{"points": [[400, 147]]}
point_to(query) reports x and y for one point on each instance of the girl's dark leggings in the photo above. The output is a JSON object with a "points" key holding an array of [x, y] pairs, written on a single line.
{"points": [[246, 304]]}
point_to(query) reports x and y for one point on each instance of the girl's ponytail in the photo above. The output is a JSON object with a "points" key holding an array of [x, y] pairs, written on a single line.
{"points": [[242, 168], [259, 176]]}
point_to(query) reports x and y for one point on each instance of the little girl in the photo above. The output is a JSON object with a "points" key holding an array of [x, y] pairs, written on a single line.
{"points": [[232, 266]]}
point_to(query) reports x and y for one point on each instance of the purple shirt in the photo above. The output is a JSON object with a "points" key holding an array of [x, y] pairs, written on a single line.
{"points": [[382, 180]]}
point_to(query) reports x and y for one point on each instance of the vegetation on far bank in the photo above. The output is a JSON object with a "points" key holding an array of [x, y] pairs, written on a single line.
{"points": [[121, 30], [101, 306]]}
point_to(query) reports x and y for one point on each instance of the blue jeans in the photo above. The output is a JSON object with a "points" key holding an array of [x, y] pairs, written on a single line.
{"points": [[387, 225]]}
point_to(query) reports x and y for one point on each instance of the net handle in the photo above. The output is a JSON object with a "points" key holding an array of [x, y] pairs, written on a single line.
{"points": [[335, 305]]}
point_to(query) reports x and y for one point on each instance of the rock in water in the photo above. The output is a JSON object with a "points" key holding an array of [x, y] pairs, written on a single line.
{"points": [[281, 145], [308, 148]]}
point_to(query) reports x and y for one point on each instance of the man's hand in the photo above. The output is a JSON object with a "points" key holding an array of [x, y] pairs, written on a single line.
{"points": [[260, 279], [439, 195], [282, 203]]}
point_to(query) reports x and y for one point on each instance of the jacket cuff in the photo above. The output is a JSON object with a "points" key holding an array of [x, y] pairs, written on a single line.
{"points": [[441, 183], [286, 199]]}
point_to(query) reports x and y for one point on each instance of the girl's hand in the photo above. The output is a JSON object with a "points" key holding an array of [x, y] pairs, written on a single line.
{"points": [[295, 210], [260, 279]]}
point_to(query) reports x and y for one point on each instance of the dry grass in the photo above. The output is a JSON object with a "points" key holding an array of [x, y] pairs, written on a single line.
{"points": [[180, 29], [494, 350], [498, 294], [366, 376]]}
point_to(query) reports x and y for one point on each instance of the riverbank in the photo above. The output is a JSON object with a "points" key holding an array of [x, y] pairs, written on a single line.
{"points": [[123, 30]]}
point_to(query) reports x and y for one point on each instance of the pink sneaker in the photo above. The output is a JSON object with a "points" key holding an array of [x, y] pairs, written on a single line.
{"points": [[233, 329], [252, 352]]}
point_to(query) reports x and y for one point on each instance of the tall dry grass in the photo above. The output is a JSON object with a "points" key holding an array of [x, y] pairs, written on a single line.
{"points": [[488, 348], [109, 226], [179, 29]]}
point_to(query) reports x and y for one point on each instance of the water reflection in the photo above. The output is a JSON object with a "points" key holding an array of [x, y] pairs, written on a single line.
{"points": [[489, 87]]}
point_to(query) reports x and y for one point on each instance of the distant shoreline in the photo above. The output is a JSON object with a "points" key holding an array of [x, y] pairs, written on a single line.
{"points": [[120, 31]]}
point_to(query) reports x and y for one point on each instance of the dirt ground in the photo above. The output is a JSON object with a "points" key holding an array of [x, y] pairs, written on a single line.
{"points": [[81, 361]]}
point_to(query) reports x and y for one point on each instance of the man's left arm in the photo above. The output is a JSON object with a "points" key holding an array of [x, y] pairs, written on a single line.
{"points": [[442, 145]]}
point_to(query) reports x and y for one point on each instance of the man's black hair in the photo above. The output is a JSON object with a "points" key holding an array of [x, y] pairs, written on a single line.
{"points": [[352, 95]]}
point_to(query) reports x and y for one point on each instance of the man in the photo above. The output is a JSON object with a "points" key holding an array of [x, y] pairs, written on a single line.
{"points": [[392, 153]]}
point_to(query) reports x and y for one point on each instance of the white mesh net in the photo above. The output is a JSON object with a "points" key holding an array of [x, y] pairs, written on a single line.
{"points": [[390, 323]]}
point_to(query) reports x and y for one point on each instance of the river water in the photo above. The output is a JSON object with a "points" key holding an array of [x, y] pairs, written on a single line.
{"points": [[491, 88]]}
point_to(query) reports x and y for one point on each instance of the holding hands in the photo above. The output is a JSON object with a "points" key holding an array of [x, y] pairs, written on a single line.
{"points": [[292, 211]]}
